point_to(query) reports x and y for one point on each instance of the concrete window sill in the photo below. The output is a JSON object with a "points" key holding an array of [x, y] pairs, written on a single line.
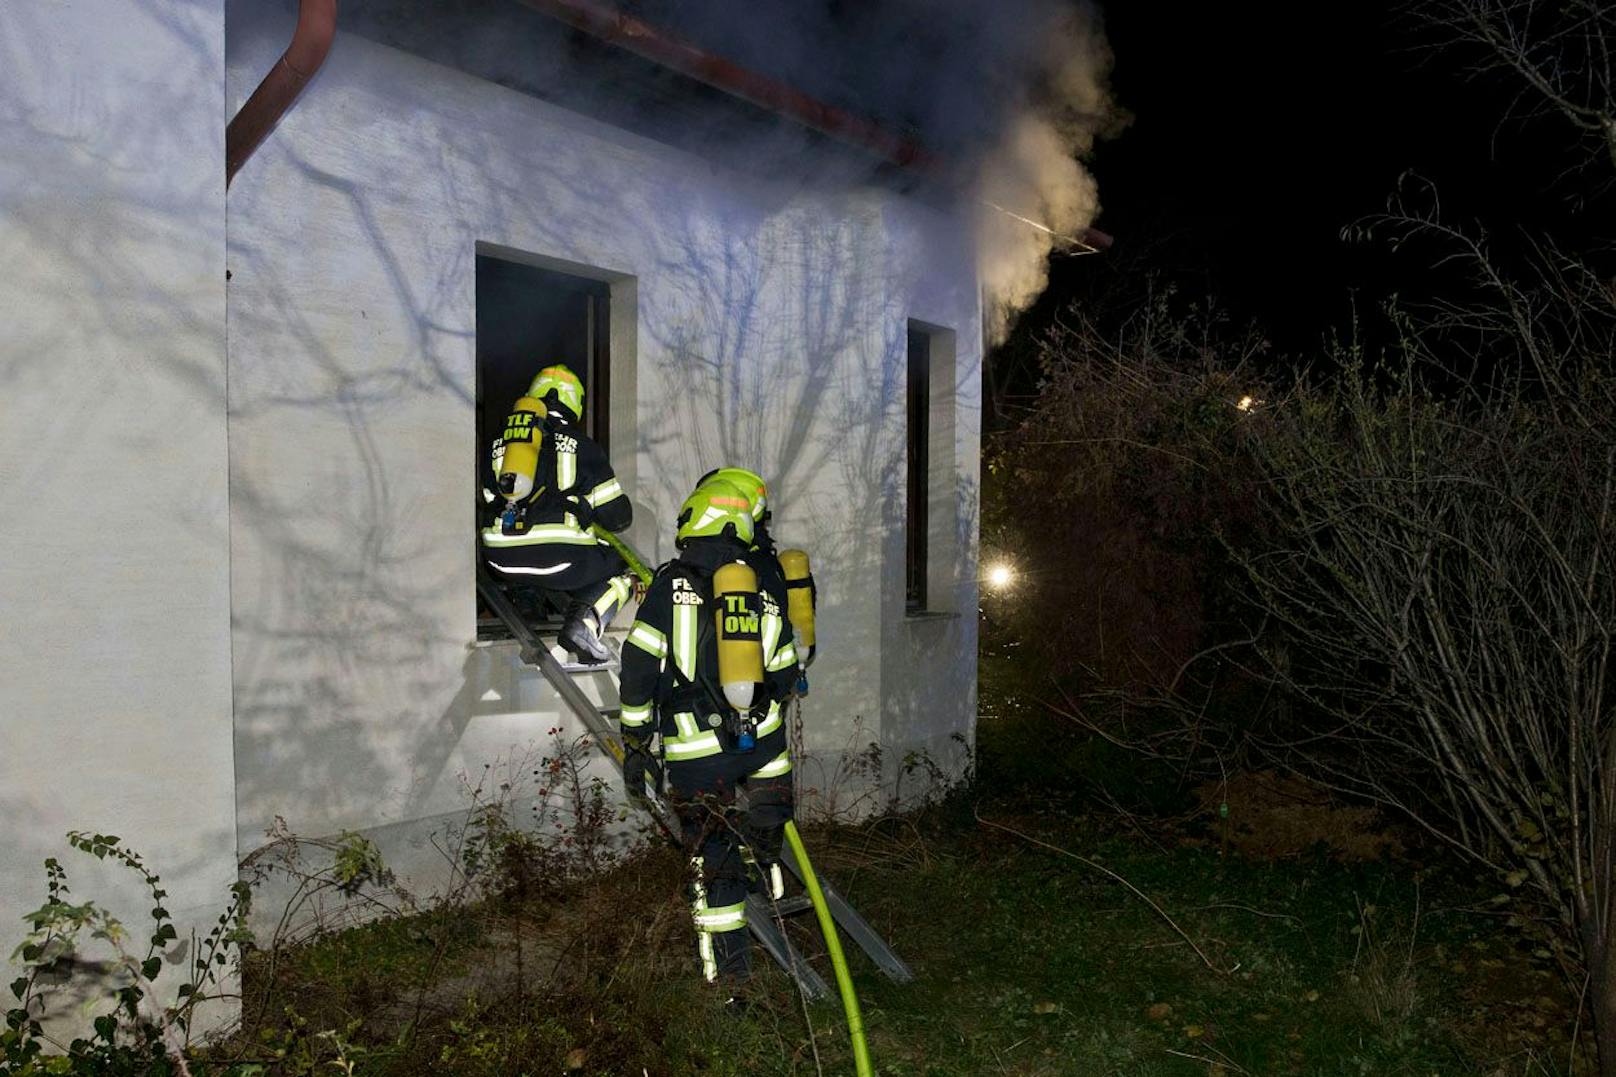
{"points": [[925, 616]]}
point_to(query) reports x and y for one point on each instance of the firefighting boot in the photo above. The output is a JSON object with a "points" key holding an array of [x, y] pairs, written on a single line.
{"points": [[581, 636]]}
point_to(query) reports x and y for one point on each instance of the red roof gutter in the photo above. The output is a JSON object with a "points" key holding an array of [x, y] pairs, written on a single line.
{"points": [[604, 21], [316, 26]]}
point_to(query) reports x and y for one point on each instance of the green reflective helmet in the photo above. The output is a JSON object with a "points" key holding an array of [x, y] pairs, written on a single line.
{"points": [[561, 381], [713, 509], [749, 483]]}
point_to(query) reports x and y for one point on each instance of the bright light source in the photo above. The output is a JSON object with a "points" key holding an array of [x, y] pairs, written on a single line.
{"points": [[1247, 403], [1001, 576]]}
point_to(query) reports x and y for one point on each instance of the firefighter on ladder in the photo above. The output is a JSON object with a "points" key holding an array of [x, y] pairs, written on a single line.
{"points": [[707, 665], [556, 483]]}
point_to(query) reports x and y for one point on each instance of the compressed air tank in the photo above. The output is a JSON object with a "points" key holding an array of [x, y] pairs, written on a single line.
{"points": [[740, 633], [520, 462], [800, 600]]}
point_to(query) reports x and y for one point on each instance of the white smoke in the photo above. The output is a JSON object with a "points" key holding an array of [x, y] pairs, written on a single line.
{"points": [[1006, 95], [1009, 95], [1035, 196]]}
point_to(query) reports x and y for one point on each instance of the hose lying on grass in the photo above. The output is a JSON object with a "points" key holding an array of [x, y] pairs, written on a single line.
{"points": [[838, 960]]}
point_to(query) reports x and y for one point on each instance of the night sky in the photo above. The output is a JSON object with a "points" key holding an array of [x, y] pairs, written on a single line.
{"points": [[1261, 130]]}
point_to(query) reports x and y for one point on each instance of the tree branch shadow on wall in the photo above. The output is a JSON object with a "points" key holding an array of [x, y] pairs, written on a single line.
{"points": [[115, 330], [766, 330]]}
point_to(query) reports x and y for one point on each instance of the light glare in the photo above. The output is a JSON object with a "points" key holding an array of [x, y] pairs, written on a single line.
{"points": [[1001, 577]]}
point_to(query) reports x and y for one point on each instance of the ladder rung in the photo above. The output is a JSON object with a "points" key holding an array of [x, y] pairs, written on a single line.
{"points": [[792, 905], [575, 668]]}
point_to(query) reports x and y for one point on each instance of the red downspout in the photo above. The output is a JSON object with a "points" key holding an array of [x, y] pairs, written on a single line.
{"points": [[637, 36], [316, 26]]}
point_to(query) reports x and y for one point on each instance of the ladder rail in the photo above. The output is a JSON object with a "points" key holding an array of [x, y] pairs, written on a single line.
{"points": [[857, 928], [759, 918]]}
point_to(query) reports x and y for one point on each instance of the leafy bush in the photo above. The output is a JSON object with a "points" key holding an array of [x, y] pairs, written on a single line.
{"points": [[136, 1033]]}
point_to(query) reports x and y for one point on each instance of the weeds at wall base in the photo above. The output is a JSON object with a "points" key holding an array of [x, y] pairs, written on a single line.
{"points": [[1027, 963]]}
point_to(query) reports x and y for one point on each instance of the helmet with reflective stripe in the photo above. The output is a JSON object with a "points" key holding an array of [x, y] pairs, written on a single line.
{"points": [[560, 382], [749, 483], [713, 509]]}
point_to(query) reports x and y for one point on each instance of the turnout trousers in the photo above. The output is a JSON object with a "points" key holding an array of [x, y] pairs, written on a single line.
{"points": [[720, 839], [592, 576]]}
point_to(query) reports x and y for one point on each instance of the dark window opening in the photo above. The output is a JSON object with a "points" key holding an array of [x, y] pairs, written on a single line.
{"points": [[529, 318], [918, 492]]}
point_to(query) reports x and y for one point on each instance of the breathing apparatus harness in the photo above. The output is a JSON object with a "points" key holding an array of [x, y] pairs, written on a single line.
{"points": [[736, 727], [528, 447]]}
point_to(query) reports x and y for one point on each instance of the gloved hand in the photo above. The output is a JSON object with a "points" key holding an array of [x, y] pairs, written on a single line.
{"points": [[638, 763], [582, 510]]}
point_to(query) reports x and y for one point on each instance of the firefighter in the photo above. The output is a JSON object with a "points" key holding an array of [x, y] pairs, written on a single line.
{"points": [[707, 664], [556, 483]]}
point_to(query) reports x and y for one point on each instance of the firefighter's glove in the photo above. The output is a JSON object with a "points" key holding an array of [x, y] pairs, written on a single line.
{"points": [[638, 764], [582, 510]]}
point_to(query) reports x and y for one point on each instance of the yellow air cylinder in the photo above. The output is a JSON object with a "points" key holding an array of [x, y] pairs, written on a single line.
{"points": [[800, 599], [740, 633], [521, 460]]}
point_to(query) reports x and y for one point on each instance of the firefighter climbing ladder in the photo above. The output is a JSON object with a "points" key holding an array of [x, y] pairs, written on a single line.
{"points": [[760, 916]]}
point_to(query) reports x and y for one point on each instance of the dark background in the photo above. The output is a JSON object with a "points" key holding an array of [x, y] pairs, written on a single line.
{"points": [[1260, 131]]}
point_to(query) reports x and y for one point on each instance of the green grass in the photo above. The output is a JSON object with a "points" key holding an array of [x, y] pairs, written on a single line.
{"points": [[1028, 962], [1039, 965]]}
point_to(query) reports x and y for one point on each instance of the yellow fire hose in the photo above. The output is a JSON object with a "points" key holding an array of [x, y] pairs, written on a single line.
{"points": [[635, 563], [833, 943]]}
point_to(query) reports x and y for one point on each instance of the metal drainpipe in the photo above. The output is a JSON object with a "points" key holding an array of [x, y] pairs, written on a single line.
{"points": [[316, 26]]}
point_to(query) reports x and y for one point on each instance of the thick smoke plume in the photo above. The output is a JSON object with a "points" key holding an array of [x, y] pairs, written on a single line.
{"points": [[1008, 95], [1005, 96], [1034, 170]]}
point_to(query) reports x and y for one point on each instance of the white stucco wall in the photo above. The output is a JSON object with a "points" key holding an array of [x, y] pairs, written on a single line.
{"points": [[928, 660], [762, 325], [115, 711]]}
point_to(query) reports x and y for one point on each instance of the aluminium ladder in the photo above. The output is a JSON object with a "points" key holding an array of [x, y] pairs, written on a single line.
{"points": [[760, 912]]}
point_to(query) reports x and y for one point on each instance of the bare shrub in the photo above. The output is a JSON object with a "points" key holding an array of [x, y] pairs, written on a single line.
{"points": [[1109, 493], [1560, 54], [1437, 575]]}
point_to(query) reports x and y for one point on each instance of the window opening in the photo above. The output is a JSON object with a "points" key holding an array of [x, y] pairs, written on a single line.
{"points": [[918, 488], [529, 318]]}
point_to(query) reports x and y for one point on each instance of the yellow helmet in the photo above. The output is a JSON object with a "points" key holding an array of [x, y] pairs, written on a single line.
{"points": [[750, 483], [713, 509], [564, 384]]}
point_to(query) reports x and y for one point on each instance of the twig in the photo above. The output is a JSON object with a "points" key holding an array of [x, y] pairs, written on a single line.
{"points": [[1086, 862], [1247, 908], [1221, 1060], [1128, 817], [1576, 1026], [802, 996]]}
